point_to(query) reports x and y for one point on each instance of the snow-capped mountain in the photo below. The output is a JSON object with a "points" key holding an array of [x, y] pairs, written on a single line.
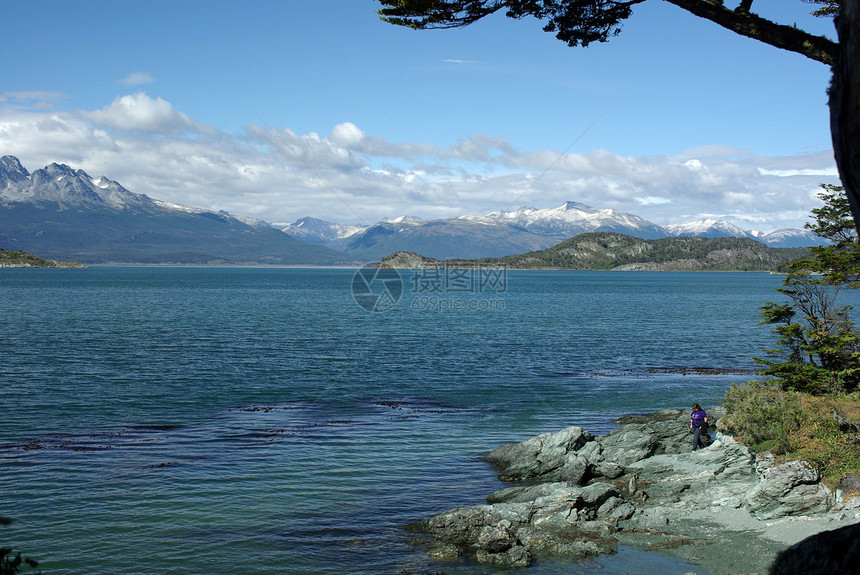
{"points": [[65, 214], [708, 228], [60, 184], [572, 218], [790, 238], [317, 231], [11, 172], [495, 234]]}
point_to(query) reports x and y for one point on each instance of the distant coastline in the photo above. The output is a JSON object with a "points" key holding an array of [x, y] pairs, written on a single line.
{"points": [[12, 259]]}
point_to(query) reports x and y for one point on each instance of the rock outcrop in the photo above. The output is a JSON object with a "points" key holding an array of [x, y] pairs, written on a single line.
{"points": [[585, 493]]}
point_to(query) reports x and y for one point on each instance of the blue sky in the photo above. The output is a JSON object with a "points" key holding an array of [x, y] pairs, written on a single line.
{"points": [[282, 109]]}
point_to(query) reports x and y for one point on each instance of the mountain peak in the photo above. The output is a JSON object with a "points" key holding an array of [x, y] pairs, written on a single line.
{"points": [[402, 219], [62, 185], [11, 171], [709, 228], [576, 206], [317, 231]]}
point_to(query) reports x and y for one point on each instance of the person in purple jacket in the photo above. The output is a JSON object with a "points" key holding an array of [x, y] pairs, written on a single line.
{"points": [[699, 425]]}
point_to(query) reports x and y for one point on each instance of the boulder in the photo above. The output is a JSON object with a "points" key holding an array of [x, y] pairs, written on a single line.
{"points": [[550, 456], [516, 556], [627, 445], [523, 522], [792, 488]]}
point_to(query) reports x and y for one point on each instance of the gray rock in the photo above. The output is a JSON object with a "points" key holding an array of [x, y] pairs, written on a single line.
{"points": [[850, 482], [628, 445], [522, 522], [497, 538], [616, 508], [649, 518], [549, 456], [443, 551], [462, 526], [572, 543], [638, 481], [792, 488], [517, 556]]}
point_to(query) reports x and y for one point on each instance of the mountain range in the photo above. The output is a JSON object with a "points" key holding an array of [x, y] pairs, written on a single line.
{"points": [[503, 233], [66, 214]]}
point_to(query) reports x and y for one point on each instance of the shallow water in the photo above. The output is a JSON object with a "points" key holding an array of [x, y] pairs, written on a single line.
{"points": [[243, 420]]}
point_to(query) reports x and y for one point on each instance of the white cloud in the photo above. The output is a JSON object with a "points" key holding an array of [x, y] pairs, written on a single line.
{"points": [[346, 135], [137, 79], [139, 112], [350, 176], [826, 172], [652, 201]]}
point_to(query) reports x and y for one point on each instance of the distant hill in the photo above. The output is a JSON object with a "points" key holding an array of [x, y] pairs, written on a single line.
{"points": [[66, 214], [10, 259], [620, 252]]}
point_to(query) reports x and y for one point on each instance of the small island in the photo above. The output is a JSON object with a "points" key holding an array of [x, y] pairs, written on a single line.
{"points": [[12, 259]]}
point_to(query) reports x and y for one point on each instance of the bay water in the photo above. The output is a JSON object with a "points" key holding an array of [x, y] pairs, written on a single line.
{"points": [[262, 420]]}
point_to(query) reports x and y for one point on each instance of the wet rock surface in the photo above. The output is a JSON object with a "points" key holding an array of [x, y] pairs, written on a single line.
{"points": [[640, 485]]}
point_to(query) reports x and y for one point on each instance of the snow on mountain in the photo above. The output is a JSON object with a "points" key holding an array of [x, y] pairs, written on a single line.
{"points": [[708, 228], [317, 231], [11, 172], [404, 220], [60, 184], [791, 238], [573, 218], [66, 214]]}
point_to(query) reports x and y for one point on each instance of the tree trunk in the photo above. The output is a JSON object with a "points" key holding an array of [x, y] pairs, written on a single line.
{"points": [[845, 104]]}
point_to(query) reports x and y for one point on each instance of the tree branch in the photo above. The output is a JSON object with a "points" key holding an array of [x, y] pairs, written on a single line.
{"points": [[750, 25]]}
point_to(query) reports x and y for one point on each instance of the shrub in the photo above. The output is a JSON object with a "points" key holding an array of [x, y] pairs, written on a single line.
{"points": [[763, 415]]}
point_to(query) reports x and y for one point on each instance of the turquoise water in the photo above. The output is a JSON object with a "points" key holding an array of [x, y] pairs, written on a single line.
{"points": [[243, 420]]}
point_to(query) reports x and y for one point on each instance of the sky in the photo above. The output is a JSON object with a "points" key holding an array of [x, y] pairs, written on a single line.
{"points": [[281, 109]]}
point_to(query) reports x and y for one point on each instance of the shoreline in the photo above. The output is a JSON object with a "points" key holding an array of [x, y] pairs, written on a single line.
{"points": [[577, 496]]}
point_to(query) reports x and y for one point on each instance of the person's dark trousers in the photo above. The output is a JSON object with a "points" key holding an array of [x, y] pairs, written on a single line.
{"points": [[697, 438]]}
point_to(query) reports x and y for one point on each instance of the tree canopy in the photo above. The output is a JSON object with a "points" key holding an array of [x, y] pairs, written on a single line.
{"points": [[581, 22], [818, 346]]}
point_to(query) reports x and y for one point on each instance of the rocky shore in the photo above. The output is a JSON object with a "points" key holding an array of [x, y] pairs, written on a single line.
{"points": [[579, 496]]}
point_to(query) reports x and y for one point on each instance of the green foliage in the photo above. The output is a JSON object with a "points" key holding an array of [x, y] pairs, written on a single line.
{"points": [[763, 415], [610, 250], [575, 22], [581, 22], [824, 431], [828, 7], [818, 348]]}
